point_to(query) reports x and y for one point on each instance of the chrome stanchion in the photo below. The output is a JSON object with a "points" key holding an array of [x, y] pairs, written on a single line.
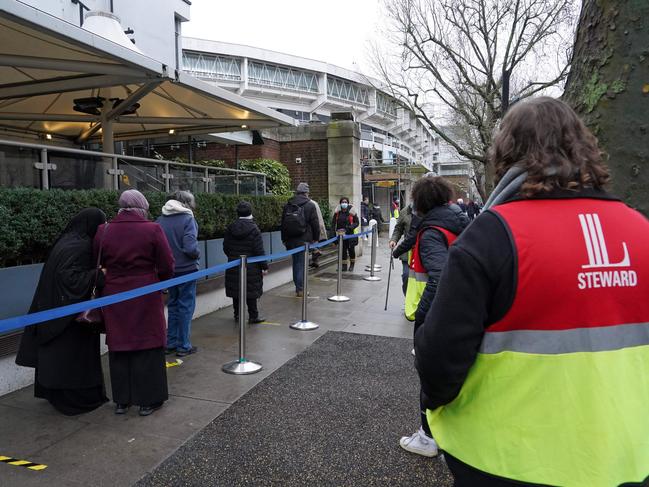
{"points": [[339, 298], [304, 324], [372, 267], [374, 243], [242, 366]]}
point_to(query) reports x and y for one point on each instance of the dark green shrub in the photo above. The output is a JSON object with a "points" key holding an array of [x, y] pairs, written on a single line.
{"points": [[31, 219], [278, 180], [212, 163], [327, 214]]}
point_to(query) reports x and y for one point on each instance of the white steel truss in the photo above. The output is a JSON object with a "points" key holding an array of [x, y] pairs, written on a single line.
{"points": [[385, 104], [281, 77], [205, 65], [347, 90]]}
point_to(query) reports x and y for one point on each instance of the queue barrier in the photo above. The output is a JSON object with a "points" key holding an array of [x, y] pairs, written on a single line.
{"points": [[240, 366]]}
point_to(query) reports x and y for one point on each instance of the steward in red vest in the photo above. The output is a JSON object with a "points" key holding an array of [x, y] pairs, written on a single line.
{"points": [[437, 229], [533, 358]]}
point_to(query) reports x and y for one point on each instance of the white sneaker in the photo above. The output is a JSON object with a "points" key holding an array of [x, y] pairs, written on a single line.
{"points": [[419, 443], [413, 352]]}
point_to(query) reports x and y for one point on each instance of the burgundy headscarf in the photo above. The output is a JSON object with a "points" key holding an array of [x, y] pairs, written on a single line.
{"points": [[133, 200]]}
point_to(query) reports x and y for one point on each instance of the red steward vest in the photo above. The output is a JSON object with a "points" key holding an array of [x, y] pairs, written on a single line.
{"points": [[559, 391]]}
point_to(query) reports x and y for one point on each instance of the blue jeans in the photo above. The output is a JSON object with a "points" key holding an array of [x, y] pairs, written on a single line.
{"points": [[298, 271], [180, 309]]}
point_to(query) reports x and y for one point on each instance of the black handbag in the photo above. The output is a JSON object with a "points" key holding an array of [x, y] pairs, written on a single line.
{"points": [[94, 317]]}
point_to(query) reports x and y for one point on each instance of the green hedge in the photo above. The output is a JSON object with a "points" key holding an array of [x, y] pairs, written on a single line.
{"points": [[30, 219]]}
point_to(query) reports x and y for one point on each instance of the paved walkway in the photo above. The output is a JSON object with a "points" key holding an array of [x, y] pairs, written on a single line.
{"points": [[102, 449]]}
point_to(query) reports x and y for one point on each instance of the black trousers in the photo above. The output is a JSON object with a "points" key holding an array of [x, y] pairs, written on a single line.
{"points": [[253, 312], [139, 377], [349, 248]]}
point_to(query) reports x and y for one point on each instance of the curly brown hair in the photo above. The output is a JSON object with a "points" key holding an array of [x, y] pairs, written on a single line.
{"points": [[429, 192], [547, 138]]}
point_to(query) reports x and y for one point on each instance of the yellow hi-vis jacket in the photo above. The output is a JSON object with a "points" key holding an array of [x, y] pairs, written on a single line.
{"points": [[417, 276]]}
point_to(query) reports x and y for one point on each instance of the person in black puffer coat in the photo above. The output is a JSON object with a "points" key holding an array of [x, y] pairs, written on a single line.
{"points": [[243, 237], [430, 197]]}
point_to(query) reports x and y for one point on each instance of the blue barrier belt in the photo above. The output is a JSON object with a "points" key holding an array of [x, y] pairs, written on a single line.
{"points": [[18, 322], [280, 255], [324, 243]]}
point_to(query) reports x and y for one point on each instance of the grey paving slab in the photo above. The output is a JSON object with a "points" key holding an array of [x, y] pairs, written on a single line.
{"points": [[24, 433], [100, 455], [178, 419]]}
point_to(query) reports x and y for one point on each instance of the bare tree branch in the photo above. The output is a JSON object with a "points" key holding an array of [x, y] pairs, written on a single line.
{"points": [[459, 54]]}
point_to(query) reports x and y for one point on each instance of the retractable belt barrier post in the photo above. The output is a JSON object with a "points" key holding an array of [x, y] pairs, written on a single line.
{"points": [[339, 298], [304, 324], [374, 243], [242, 366], [372, 267]]}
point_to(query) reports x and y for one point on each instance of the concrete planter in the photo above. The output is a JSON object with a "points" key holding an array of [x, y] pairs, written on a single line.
{"points": [[18, 285]]}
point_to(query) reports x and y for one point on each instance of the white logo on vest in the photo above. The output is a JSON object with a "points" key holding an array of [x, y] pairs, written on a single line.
{"points": [[598, 258]]}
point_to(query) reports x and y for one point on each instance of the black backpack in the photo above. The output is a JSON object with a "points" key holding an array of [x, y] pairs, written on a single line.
{"points": [[294, 222]]}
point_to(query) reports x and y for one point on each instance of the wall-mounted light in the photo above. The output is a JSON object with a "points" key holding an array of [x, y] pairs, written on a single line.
{"points": [[172, 131], [48, 136], [244, 126]]}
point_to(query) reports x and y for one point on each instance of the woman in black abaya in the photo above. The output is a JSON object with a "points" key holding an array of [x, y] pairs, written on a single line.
{"points": [[65, 353]]}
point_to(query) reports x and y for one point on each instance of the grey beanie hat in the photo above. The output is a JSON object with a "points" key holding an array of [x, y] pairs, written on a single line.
{"points": [[302, 188]]}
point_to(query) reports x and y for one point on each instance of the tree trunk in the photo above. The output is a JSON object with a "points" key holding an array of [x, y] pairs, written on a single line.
{"points": [[608, 86]]}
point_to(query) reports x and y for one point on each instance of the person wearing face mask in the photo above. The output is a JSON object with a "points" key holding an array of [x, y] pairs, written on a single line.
{"points": [[345, 221]]}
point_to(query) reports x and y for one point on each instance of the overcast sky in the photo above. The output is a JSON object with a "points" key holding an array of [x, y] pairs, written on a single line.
{"points": [[335, 31]]}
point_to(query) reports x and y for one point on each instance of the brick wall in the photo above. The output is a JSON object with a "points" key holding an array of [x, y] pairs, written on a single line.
{"points": [[314, 166], [308, 143], [213, 150], [269, 150]]}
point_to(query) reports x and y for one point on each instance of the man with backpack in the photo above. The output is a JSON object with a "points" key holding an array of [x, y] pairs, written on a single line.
{"points": [[299, 225]]}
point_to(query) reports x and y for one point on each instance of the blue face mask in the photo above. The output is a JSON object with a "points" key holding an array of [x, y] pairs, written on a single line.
{"points": [[344, 205]]}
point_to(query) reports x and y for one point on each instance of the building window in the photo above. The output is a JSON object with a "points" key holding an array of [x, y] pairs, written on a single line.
{"points": [[347, 90], [281, 77], [386, 104], [204, 65]]}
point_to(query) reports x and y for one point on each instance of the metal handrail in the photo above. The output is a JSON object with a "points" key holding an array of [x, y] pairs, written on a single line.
{"points": [[69, 150]]}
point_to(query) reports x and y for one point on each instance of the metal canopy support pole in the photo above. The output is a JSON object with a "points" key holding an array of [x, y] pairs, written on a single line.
{"points": [[339, 298], [167, 177], [372, 277], [242, 366], [45, 177], [304, 324], [115, 172], [107, 138]]}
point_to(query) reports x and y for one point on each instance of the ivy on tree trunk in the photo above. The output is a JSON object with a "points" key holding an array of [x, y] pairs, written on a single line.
{"points": [[608, 86]]}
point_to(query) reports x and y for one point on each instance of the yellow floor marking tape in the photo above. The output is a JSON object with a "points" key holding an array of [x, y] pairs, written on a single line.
{"points": [[269, 323], [22, 463], [173, 364]]}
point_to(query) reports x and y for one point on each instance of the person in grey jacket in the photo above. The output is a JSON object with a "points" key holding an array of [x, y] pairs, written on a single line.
{"points": [[181, 230], [401, 229]]}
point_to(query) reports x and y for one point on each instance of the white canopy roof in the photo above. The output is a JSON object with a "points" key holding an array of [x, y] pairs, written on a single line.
{"points": [[46, 64]]}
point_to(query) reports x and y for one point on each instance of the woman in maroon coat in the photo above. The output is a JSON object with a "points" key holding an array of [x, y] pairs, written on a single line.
{"points": [[135, 252]]}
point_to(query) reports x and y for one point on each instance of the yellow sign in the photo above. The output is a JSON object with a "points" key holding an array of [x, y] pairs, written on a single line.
{"points": [[386, 184]]}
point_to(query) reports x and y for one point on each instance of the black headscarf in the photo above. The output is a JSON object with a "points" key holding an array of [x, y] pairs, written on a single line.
{"points": [[68, 277]]}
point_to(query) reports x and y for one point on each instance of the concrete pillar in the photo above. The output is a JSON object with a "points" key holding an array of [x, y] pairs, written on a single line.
{"points": [[344, 167]]}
